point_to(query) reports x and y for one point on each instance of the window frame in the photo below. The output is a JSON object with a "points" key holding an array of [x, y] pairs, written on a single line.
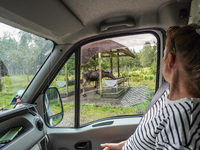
{"points": [[76, 49]]}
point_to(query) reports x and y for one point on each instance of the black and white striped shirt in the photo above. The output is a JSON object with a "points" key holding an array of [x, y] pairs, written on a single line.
{"points": [[168, 125]]}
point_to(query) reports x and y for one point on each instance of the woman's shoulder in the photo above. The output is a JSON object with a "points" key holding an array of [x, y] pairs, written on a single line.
{"points": [[184, 105], [185, 100]]}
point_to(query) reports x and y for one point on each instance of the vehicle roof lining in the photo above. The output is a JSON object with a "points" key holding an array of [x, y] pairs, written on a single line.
{"points": [[51, 18]]}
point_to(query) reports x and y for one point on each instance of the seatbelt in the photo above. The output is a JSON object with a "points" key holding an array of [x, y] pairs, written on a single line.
{"points": [[158, 94]]}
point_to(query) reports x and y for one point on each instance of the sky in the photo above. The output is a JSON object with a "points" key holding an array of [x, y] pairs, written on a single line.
{"points": [[135, 42], [5, 28]]}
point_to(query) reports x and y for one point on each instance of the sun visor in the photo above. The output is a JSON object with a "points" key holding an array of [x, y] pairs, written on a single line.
{"points": [[49, 19]]}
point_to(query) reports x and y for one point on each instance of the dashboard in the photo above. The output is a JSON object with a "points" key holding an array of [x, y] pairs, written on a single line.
{"points": [[32, 133]]}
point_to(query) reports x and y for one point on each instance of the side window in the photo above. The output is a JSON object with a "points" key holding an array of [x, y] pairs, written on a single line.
{"points": [[118, 76], [21, 56], [67, 92]]}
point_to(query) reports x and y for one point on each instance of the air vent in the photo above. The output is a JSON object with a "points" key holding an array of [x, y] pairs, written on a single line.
{"points": [[39, 124]]}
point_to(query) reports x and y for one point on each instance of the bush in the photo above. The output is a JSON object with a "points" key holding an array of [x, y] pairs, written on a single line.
{"points": [[149, 77], [58, 105], [134, 68], [124, 74]]}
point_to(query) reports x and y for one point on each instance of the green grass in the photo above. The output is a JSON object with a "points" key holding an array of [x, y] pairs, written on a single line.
{"points": [[68, 107], [5, 99], [89, 113], [55, 106], [10, 88]]}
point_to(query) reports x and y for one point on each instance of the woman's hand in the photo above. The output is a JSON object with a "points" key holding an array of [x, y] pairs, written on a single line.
{"points": [[113, 146]]}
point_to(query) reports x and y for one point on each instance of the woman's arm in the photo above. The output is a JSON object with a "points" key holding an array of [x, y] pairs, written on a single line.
{"points": [[113, 146]]}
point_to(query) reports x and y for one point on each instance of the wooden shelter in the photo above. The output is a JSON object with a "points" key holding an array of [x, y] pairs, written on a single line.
{"points": [[108, 47]]}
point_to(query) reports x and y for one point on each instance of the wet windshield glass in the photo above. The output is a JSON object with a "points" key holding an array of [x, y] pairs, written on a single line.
{"points": [[21, 56]]}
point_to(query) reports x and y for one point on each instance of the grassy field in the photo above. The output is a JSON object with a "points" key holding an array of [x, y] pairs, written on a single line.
{"points": [[88, 112]]}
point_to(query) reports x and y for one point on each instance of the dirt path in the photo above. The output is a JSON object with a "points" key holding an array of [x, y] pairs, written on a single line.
{"points": [[133, 96]]}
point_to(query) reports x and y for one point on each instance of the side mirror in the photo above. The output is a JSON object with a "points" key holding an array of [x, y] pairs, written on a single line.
{"points": [[54, 107]]}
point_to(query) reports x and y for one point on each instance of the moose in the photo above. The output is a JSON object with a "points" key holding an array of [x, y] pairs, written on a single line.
{"points": [[93, 75]]}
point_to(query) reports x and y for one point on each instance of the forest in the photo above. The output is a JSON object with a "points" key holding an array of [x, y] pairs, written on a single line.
{"points": [[21, 56]]}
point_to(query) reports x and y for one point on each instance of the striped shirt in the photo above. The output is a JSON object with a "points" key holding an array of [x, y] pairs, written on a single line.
{"points": [[168, 125]]}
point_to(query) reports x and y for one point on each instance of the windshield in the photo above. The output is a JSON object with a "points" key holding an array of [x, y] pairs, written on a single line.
{"points": [[21, 56]]}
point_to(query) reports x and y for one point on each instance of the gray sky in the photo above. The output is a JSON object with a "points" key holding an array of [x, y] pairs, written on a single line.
{"points": [[7, 28], [136, 41]]}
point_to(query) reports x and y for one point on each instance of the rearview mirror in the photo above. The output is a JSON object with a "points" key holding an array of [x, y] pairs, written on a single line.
{"points": [[54, 107]]}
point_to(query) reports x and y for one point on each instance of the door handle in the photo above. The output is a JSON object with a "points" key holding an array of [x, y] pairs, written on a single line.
{"points": [[83, 145]]}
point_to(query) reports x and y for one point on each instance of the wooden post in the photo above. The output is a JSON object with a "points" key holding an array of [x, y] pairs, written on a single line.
{"points": [[118, 64], [66, 76], [95, 67], [83, 67], [100, 76], [111, 62]]}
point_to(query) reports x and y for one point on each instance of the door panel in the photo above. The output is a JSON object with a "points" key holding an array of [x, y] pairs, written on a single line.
{"points": [[112, 130], [32, 133], [90, 108]]}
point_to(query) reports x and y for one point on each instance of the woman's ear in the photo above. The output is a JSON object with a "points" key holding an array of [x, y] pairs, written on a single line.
{"points": [[171, 60]]}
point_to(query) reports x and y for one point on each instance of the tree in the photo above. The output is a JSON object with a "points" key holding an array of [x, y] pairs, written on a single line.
{"points": [[8, 54], [30, 47], [18, 53], [130, 62], [26, 50], [3, 72], [147, 55]]}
